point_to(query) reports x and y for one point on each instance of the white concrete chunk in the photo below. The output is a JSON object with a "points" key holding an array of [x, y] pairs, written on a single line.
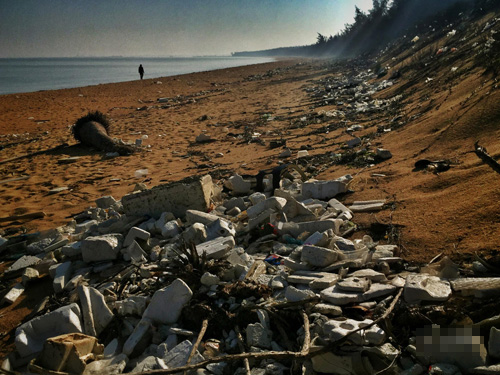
{"points": [[135, 305], [293, 294], [323, 189], [72, 249], [170, 229], [208, 279], [177, 197], [95, 311], [273, 203], [195, 216], [142, 329], [216, 248], [354, 284], [98, 248], [167, 303], [13, 294], [220, 228], [62, 276], [367, 206], [238, 185], [318, 256], [337, 329], [28, 275], [31, 335], [421, 287], [135, 233]]}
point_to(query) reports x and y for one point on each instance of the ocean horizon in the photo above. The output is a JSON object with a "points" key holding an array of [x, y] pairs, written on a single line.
{"points": [[20, 75]]}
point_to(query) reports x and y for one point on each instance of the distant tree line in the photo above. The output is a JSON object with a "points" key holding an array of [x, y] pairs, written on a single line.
{"points": [[386, 21]]}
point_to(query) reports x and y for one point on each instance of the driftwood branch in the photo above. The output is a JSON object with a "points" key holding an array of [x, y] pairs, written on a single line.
{"points": [[204, 326], [485, 157], [246, 362]]}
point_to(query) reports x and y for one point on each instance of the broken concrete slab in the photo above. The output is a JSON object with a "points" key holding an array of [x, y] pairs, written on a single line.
{"points": [[142, 334], [31, 335], [421, 287], [167, 303], [367, 206], [179, 355], [177, 197], [216, 248], [323, 189], [318, 256], [354, 284], [62, 276], [95, 311], [136, 233]]}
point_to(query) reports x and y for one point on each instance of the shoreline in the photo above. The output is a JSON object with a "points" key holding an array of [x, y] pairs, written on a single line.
{"points": [[157, 66]]}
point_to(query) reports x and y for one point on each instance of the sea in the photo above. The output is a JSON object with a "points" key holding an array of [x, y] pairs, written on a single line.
{"points": [[19, 75]]}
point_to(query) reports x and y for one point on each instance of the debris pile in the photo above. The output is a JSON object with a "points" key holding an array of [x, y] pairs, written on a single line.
{"points": [[193, 276]]}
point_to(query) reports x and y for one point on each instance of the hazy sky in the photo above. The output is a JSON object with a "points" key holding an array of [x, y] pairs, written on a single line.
{"points": [[52, 28]]}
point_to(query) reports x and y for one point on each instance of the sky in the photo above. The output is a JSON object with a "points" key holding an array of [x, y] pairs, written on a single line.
{"points": [[148, 28]]}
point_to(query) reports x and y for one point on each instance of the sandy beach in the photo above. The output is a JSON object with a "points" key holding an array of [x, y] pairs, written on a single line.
{"points": [[447, 212]]}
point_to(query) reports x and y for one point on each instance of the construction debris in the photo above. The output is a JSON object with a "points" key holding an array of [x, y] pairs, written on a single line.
{"points": [[173, 279]]}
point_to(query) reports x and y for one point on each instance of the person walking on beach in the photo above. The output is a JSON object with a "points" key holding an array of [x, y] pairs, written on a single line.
{"points": [[141, 71]]}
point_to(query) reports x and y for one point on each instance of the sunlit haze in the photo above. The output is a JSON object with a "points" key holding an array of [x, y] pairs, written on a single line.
{"points": [[63, 28]]}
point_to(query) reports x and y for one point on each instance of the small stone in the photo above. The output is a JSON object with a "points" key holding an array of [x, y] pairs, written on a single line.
{"points": [[100, 248], [13, 294], [258, 335], [208, 279], [327, 309], [494, 343], [28, 275]]}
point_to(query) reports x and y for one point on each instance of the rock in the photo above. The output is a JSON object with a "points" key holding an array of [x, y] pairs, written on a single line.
{"points": [[286, 153], [354, 284], [85, 226], [170, 229], [28, 275], [150, 363], [95, 311], [327, 309], [383, 154], [195, 216], [220, 228], [486, 370], [273, 203], [238, 185], [13, 294], [179, 355], [344, 244], [22, 263], [135, 233], [367, 206], [135, 305], [202, 138], [134, 253], [208, 279], [98, 248], [235, 202], [318, 256], [177, 197], [109, 365], [353, 142], [258, 335], [196, 233], [369, 274], [295, 229], [73, 249], [139, 339], [31, 335], [216, 248], [62, 276], [167, 303], [494, 343], [105, 202], [337, 296], [421, 287], [338, 329], [444, 369], [293, 294], [323, 189]]}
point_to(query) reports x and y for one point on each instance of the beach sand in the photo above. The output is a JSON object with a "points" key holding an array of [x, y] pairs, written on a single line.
{"points": [[454, 211]]}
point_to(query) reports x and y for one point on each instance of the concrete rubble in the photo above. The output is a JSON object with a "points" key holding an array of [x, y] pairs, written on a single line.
{"points": [[182, 273]]}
